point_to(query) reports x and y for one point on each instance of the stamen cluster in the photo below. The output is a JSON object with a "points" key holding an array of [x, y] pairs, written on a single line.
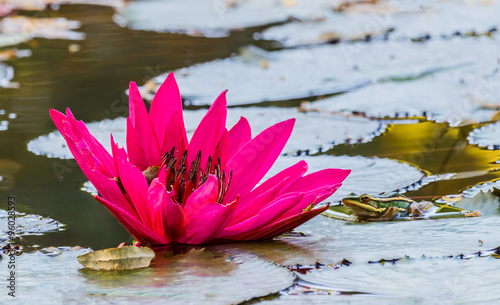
{"points": [[184, 179]]}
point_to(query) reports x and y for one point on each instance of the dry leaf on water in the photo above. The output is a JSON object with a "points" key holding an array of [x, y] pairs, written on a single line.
{"points": [[124, 258]]}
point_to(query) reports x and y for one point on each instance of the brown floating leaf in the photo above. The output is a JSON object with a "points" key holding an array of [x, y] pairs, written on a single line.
{"points": [[124, 258]]}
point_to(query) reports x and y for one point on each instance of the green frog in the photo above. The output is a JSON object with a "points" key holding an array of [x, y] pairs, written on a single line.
{"points": [[368, 208]]}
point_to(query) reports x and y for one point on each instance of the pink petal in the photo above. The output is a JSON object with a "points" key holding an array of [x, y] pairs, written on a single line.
{"points": [[288, 174], [204, 194], [136, 187], [168, 216], [312, 197], [136, 154], [207, 223], [208, 133], [175, 135], [132, 225], [279, 227], [265, 217], [105, 186], [166, 101], [80, 132], [288, 224], [141, 123], [255, 159], [239, 135], [220, 152], [253, 206], [173, 219]]}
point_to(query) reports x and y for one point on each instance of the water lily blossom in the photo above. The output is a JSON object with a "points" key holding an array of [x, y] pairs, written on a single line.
{"points": [[165, 189]]}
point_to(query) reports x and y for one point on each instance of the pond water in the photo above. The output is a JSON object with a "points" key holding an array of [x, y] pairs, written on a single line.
{"points": [[414, 113]]}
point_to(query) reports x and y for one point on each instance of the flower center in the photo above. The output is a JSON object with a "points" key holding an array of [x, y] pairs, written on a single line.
{"points": [[184, 179]]}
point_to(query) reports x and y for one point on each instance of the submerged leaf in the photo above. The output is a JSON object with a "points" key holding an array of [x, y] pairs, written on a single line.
{"points": [[124, 258]]}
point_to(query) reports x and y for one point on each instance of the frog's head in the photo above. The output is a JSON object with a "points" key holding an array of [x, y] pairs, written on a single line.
{"points": [[364, 206]]}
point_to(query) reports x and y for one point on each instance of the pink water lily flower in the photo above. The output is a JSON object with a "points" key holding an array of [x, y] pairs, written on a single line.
{"points": [[165, 189]]}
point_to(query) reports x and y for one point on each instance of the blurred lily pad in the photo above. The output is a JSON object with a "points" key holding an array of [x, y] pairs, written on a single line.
{"points": [[322, 70], [17, 29], [341, 28], [124, 258], [420, 21], [309, 132], [446, 95], [216, 18], [287, 74]]}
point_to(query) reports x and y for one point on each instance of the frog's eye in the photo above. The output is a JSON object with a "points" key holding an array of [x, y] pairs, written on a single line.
{"points": [[365, 198]]}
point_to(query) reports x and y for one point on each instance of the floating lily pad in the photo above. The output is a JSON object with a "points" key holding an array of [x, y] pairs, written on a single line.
{"points": [[420, 20], [454, 95], [279, 75], [451, 281], [27, 224], [216, 18], [313, 131], [439, 18], [124, 258], [487, 136], [193, 278], [14, 30]]}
